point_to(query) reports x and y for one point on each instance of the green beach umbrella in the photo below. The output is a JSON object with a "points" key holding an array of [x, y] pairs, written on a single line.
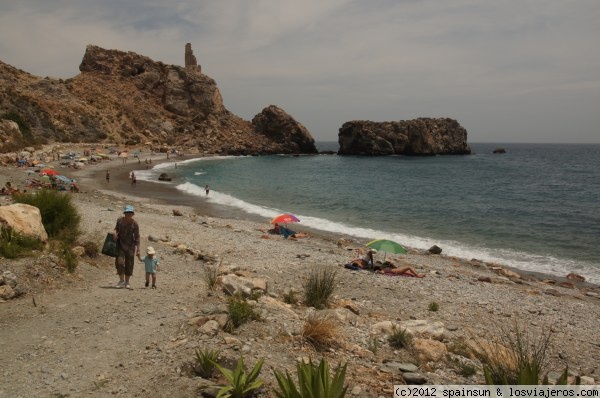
{"points": [[386, 246]]}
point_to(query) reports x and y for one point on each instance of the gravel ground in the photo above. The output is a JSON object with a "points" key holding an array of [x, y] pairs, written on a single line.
{"points": [[75, 335]]}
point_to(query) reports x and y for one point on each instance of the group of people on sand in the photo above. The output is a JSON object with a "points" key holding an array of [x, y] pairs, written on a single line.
{"points": [[367, 262], [8, 189]]}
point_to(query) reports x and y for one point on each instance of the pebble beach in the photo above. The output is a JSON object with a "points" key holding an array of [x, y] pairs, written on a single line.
{"points": [[85, 338]]}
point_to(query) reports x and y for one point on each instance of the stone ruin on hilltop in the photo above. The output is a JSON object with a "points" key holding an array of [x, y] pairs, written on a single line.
{"points": [[191, 64]]}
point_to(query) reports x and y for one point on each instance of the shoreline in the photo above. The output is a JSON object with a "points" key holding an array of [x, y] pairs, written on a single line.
{"points": [[167, 194], [92, 177]]}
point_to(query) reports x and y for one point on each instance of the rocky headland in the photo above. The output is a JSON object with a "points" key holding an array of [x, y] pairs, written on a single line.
{"points": [[129, 99]]}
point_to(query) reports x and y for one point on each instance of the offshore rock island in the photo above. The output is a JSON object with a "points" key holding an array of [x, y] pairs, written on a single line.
{"points": [[422, 136]]}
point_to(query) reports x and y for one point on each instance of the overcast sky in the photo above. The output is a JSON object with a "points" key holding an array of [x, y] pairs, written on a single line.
{"points": [[508, 71]]}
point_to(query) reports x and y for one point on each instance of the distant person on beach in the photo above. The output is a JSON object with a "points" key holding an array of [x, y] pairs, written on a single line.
{"points": [[366, 261], [391, 269], [107, 176], [287, 233], [127, 235], [152, 265], [207, 189], [133, 178]]}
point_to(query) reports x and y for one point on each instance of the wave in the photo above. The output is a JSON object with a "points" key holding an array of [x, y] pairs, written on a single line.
{"points": [[516, 259]]}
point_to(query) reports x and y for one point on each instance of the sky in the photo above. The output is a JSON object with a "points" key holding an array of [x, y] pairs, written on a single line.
{"points": [[508, 71]]}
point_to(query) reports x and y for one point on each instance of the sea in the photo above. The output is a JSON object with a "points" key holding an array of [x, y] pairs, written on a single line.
{"points": [[535, 207]]}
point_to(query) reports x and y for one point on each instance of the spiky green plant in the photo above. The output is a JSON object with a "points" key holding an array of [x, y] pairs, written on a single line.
{"points": [[240, 312], [523, 360], [434, 306], [240, 384], [290, 297], [205, 361], [399, 338], [314, 381], [529, 375], [14, 244], [319, 286]]}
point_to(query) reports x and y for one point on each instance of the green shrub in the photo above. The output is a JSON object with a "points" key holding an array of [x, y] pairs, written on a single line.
{"points": [[399, 338], [290, 297], [255, 295], [434, 306], [240, 312], [14, 244], [59, 215], [314, 381], [467, 370], [319, 286], [240, 384], [67, 257], [205, 361]]}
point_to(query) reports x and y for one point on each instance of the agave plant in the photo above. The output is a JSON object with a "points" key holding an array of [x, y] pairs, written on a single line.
{"points": [[314, 381], [205, 361], [240, 384]]}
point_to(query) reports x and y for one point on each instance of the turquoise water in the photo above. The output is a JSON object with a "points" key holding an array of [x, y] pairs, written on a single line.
{"points": [[537, 207]]}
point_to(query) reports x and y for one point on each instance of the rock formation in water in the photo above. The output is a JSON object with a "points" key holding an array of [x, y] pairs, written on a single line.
{"points": [[422, 136]]}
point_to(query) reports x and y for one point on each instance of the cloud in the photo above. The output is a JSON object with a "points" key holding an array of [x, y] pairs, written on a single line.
{"points": [[507, 71]]}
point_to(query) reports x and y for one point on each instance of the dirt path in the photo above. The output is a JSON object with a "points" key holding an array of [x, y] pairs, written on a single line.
{"points": [[92, 338]]}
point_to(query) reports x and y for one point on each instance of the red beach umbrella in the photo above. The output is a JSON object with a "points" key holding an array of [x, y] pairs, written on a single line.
{"points": [[285, 218], [49, 172]]}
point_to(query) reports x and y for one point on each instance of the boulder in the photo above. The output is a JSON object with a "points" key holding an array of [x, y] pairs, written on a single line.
{"points": [[422, 137], [423, 327], [6, 292], [24, 219], [575, 277], [499, 150], [434, 250], [164, 177], [233, 285]]}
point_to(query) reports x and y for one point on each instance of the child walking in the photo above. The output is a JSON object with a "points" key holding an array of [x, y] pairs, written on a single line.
{"points": [[152, 265]]}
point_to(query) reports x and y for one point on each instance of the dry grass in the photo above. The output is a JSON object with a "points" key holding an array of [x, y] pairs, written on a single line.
{"points": [[513, 351], [321, 331]]}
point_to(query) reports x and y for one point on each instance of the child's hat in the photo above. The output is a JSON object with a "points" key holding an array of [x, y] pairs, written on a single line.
{"points": [[128, 209], [150, 250]]}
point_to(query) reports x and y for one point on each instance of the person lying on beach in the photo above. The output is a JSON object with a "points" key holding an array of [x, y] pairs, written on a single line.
{"points": [[286, 233], [366, 261], [390, 269]]}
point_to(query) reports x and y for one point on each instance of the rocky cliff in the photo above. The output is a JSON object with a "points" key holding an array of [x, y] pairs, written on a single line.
{"points": [[129, 99], [422, 136]]}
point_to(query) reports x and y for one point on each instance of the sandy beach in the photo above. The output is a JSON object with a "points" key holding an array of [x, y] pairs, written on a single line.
{"points": [[75, 335]]}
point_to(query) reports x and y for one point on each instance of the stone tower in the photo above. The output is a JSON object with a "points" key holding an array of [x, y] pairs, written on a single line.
{"points": [[191, 65]]}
